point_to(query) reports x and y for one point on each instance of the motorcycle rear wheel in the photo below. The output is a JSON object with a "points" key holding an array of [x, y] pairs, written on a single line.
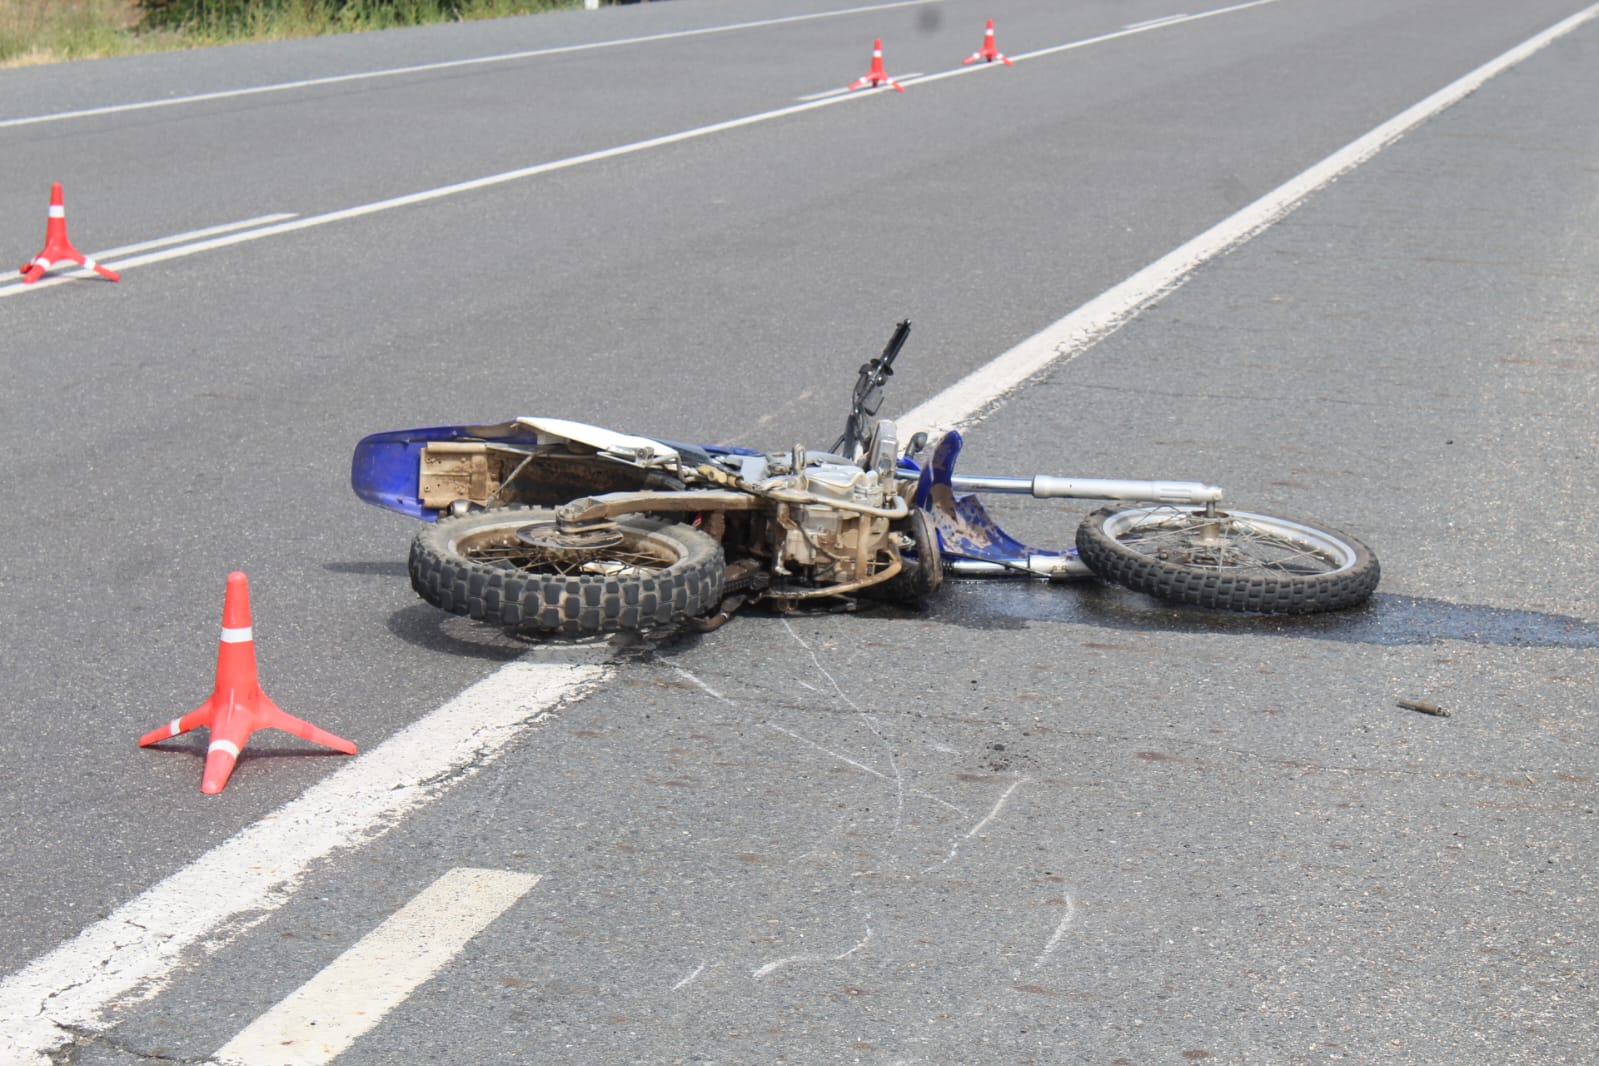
{"points": [[1233, 561], [644, 573]]}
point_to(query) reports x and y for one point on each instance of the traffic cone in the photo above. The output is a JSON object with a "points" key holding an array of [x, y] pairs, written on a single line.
{"points": [[237, 706], [988, 53], [876, 76], [57, 249]]}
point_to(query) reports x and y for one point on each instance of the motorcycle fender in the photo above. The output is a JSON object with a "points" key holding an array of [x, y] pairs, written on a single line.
{"points": [[386, 469]]}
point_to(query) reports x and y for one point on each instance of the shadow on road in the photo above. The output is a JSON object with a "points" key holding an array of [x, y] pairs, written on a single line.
{"points": [[1387, 620]]}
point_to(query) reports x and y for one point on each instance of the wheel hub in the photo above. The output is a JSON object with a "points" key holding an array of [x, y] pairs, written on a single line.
{"points": [[569, 544]]}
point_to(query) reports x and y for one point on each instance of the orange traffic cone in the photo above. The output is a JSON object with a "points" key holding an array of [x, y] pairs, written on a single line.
{"points": [[876, 76], [988, 53], [237, 706], [57, 249]]}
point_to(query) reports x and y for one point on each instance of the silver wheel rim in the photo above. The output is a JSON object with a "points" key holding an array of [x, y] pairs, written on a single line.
{"points": [[1239, 542]]}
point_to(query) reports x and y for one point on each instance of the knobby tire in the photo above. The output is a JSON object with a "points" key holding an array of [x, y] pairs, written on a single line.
{"points": [[473, 564], [1259, 563]]}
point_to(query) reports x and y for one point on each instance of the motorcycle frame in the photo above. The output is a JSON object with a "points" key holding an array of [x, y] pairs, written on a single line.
{"points": [[388, 471]]}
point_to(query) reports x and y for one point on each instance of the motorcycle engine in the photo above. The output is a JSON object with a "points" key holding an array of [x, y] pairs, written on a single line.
{"points": [[839, 544]]}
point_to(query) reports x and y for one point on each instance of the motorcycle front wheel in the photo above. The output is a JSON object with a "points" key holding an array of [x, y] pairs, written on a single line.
{"points": [[1230, 560], [513, 567]]}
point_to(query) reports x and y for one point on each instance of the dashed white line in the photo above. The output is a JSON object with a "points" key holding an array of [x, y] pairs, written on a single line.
{"points": [[132, 954], [324, 1016]]}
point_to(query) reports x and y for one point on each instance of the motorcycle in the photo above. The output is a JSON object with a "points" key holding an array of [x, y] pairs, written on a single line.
{"points": [[547, 525]]}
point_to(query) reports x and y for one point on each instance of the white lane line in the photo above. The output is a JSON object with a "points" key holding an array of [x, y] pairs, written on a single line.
{"points": [[328, 1013], [1086, 42], [79, 273], [409, 199], [971, 397], [1148, 23], [448, 64], [1083, 42], [824, 94], [131, 955], [179, 238], [902, 78], [522, 173]]}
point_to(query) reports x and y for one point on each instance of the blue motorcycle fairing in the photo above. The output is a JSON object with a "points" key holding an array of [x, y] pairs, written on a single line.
{"points": [[963, 525], [385, 469]]}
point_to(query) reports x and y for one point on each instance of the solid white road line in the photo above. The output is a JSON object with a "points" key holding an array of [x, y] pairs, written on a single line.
{"points": [[971, 397], [808, 104], [1085, 42], [193, 235], [78, 273], [131, 955], [334, 79], [1147, 23], [328, 1013]]}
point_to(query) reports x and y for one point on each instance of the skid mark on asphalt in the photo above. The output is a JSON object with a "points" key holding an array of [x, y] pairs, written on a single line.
{"points": [[777, 964], [1060, 931], [867, 720], [702, 686], [999, 804], [691, 975], [131, 954], [328, 1013], [774, 727]]}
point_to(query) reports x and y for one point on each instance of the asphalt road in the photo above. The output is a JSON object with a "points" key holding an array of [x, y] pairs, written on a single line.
{"points": [[1034, 824]]}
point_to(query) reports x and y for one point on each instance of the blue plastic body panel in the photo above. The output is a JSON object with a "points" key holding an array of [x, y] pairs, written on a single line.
{"points": [[385, 470], [965, 528]]}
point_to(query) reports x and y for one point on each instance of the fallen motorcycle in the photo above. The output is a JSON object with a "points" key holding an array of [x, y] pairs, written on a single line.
{"points": [[545, 525]]}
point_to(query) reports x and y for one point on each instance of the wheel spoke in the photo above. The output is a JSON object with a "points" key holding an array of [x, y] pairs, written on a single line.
{"points": [[1232, 560], [533, 560], [1177, 536]]}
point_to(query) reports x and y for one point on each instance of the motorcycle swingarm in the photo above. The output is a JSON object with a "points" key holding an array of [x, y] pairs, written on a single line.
{"points": [[613, 504]]}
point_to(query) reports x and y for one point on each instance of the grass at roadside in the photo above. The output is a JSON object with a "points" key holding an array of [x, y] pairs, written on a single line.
{"points": [[49, 31]]}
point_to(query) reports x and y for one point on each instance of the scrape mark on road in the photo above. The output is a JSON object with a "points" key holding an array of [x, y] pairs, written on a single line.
{"points": [[866, 720], [989, 817], [776, 964], [1060, 931]]}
